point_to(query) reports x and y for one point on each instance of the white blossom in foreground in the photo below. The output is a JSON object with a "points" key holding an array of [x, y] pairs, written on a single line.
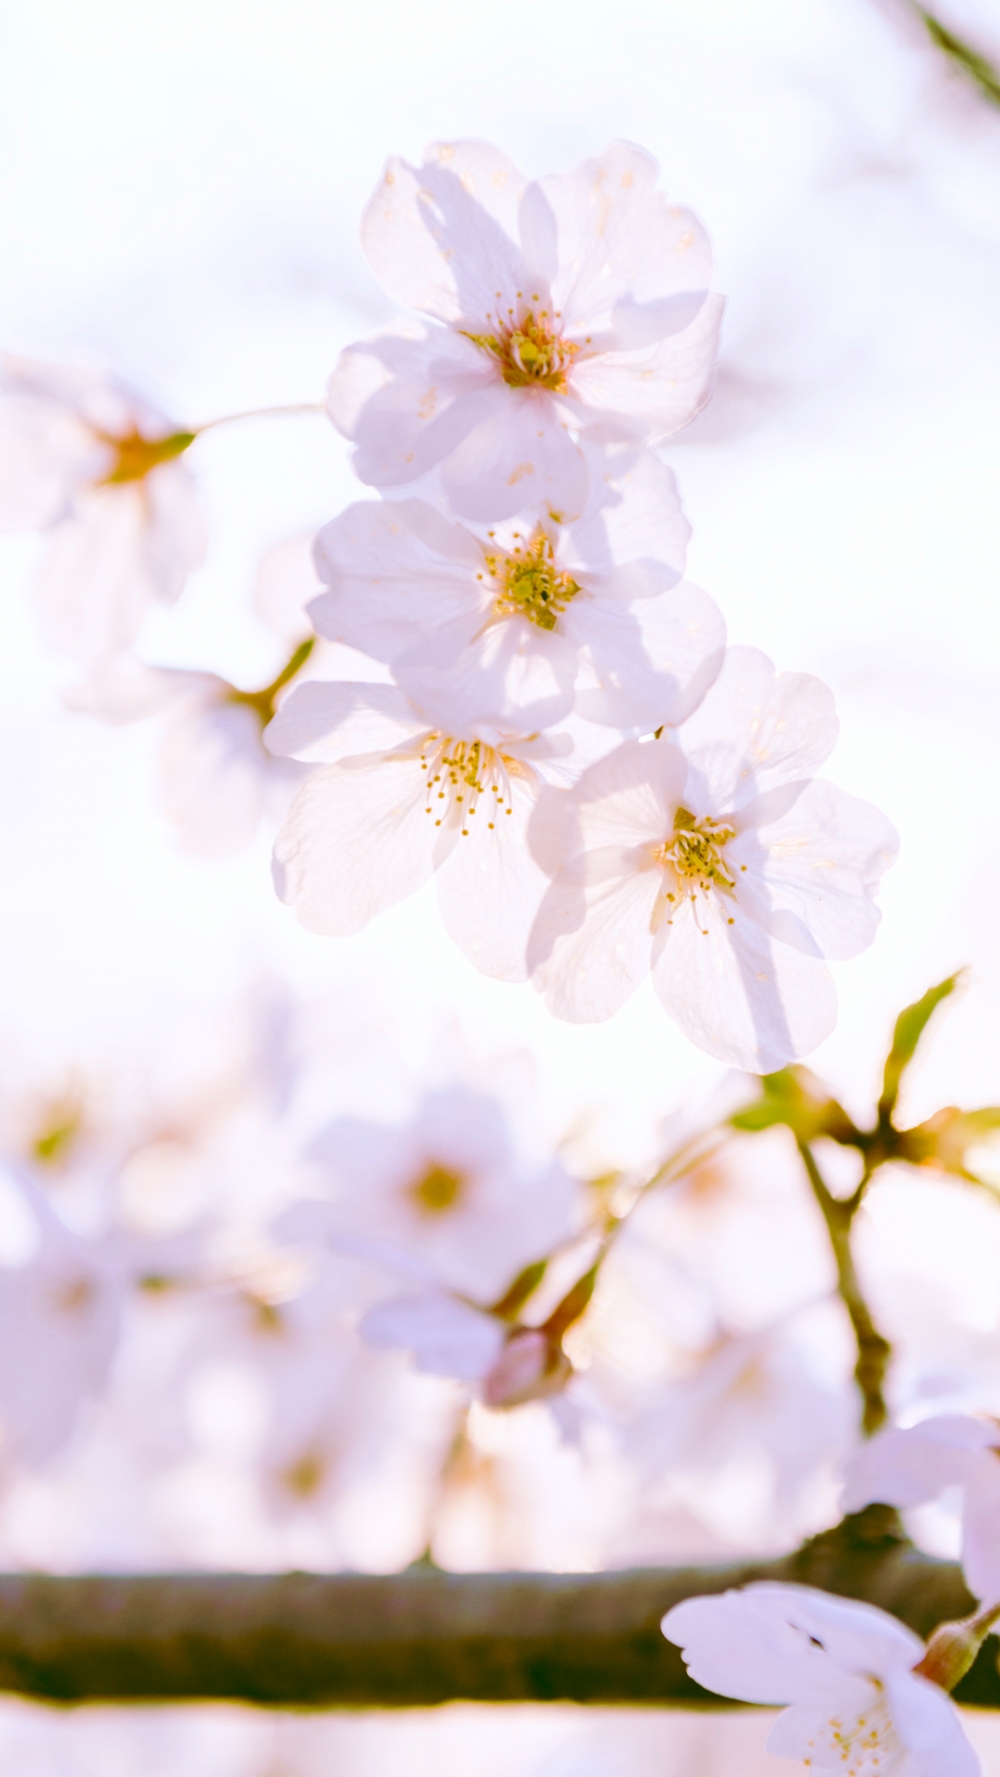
{"points": [[909, 1467], [715, 859], [845, 1670], [400, 801], [576, 301], [518, 621], [98, 469]]}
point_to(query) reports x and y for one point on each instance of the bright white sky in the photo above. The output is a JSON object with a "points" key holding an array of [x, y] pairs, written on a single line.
{"points": [[179, 194]]}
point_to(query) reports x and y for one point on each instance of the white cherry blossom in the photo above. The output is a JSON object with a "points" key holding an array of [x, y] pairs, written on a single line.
{"points": [[715, 859], [577, 301], [97, 469], [907, 1466], [519, 620], [401, 800], [446, 1195], [845, 1670]]}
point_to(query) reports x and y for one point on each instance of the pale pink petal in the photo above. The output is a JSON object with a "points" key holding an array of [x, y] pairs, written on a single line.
{"points": [[325, 722], [813, 863], [408, 396], [633, 531], [446, 1337], [519, 453], [907, 1466], [490, 888], [929, 1726], [212, 772], [175, 537], [648, 664], [981, 1525], [590, 945], [394, 570], [441, 237], [501, 675], [355, 842], [743, 997], [859, 1638], [757, 729], [285, 582], [627, 800], [619, 240], [46, 455], [127, 690], [739, 1645], [93, 586], [650, 393]]}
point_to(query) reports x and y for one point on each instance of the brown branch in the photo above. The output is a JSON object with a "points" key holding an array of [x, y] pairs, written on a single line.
{"points": [[874, 1351], [424, 1636]]}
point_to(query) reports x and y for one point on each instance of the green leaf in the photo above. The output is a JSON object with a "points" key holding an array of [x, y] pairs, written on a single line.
{"points": [[910, 1027], [944, 1140], [796, 1098], [972, 63]]}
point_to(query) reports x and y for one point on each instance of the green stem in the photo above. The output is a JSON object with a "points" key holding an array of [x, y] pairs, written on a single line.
{"points": [[978, 68], [874, 1351], [263, 701]]}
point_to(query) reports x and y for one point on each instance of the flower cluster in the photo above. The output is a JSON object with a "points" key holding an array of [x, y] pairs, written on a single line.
{"points": [[601, 789]]}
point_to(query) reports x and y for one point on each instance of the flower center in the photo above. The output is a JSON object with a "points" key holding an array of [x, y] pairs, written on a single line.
{"points": [[864, 1747], [530, 350], [530, 583], [459, 772], [696, 851], [136, 456], [438, 1190]]}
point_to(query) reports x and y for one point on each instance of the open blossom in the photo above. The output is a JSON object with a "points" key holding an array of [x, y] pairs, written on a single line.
{"points": [[98, 469], [556, 306], [909, 1466], [845, 1670], [400, 801], [445, 1204], [718, 861], [519, 620], [217, 779]]}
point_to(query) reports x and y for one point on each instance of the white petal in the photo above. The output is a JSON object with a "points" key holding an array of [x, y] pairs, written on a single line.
{"points": [[408, 396], [981, 1526], [590, 945], [738, 994], [355, 842], [127, 690], [929, 1726], [92, 585], [442, 237], [647, 664], [395, 570], [858, 1638], [619, 238], [446, 1337], [651, 393], [490, 887], [817, 858], [46, 455], [507, 674], [519, 453], [626, 800], [633, 527], [907, 1466], [326, 722], [286, 581], [739, 1645], [212, 769], [756, 729]]}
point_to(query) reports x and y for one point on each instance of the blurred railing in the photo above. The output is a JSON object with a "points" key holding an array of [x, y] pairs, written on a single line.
{"points": [[425, 1636]]}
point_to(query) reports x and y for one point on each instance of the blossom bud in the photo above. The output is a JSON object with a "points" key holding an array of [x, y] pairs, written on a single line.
{"points": [[530, 1366], [953, 1647]]}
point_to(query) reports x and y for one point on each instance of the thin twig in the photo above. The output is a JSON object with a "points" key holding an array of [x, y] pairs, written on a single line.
{"points": [[874, 1351], [260, 413]]}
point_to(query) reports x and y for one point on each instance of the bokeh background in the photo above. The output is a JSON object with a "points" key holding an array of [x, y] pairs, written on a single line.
{"points": [[181, 188]]}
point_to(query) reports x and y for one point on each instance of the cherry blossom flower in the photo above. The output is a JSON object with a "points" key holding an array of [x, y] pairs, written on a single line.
{"points": [[909, 1466], [718, 861], [517, 621], [401, 800], [574, 302], [446, 1195], [97, 468], [845, 1670]]}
